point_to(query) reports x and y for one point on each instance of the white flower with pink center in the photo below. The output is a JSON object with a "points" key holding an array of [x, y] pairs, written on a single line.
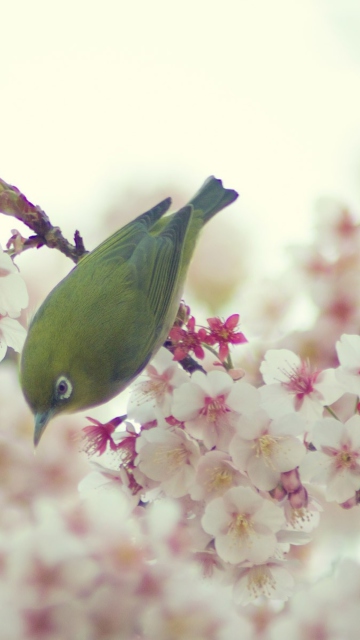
{"points": [[153, 390], [169, 457], [265, 448], [336, 463], [348, 351], [210, 406], [243, 525], [215, 474], [292, 385]]}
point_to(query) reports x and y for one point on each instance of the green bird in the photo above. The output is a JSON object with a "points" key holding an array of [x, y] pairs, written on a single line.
{"points": [[100, 326]]}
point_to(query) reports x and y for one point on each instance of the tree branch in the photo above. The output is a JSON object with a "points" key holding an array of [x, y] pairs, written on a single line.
{"points": [[13, 203]]}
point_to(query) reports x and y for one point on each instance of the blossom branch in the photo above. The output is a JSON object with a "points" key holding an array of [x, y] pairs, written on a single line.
{"points": [[14, 203]]}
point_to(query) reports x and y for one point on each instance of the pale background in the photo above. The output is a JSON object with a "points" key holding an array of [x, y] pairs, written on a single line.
{"points": [[97, 96]]}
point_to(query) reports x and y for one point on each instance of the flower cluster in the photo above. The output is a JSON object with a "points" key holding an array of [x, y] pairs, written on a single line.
{"points": [[13, 298], [186, 339], [244, 462]]}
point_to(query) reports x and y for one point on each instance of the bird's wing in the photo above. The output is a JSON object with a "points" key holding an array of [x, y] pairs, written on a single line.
{"points": [[157, 263], [120, 246]]}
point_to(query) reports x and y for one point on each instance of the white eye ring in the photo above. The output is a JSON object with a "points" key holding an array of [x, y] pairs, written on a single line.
{"points": [[63, 388]]}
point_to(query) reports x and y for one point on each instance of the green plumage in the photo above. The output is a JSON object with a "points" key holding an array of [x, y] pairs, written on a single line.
{"points": [[98, 328]]}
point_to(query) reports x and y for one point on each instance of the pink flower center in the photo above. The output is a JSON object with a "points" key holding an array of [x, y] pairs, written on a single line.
{"points": [[301, 381], [214, 408], [346, 459]]}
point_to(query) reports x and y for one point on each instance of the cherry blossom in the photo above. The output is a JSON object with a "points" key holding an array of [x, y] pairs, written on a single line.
{"points": [[215, 474], [336, 462], [292, 385], [187, 340], [210, 406], [154, 388], [243, 525], [223, 334], [265, 448], [168, 457], [348, 351], [98, 436]]}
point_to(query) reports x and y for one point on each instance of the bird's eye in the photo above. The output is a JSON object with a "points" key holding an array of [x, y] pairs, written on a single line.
{"points": [[63, 388]]}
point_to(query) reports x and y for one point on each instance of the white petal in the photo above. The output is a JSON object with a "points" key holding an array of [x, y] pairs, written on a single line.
{"points": [[328, 433], [315, 466], [262, 475], [243, 398], [350, 380], [348, 350], [352, 427], [293, 424], [287, 454], [13, 333], [13, 295], [241, 451], [342, 487], [187, 401], [276, 401], [277, 364], [329, 386], [219, 383]]}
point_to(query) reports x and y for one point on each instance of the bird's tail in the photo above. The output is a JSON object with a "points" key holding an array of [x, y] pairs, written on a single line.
{"points": [[212, 197]]}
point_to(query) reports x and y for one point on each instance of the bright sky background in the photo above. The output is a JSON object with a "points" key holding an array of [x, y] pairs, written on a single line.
{"points": [[264, 94]]}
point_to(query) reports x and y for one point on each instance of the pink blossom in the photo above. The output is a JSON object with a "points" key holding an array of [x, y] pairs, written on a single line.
{"points": [[223, 334], [153, 390], [243, 525], [265, 448], [187, 340], [336, 463], [169, 457], [97, 436], [292, 385], [210, 406]]}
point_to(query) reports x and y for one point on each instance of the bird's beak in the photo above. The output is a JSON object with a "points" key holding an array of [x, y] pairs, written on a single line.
{"points": [[41, 420]]}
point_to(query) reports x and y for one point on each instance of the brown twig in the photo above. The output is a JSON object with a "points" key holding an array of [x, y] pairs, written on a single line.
{"points": [[13, 203]]}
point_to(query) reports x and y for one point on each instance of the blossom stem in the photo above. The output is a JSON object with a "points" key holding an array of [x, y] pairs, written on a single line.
{"points": [[207, 346]]}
